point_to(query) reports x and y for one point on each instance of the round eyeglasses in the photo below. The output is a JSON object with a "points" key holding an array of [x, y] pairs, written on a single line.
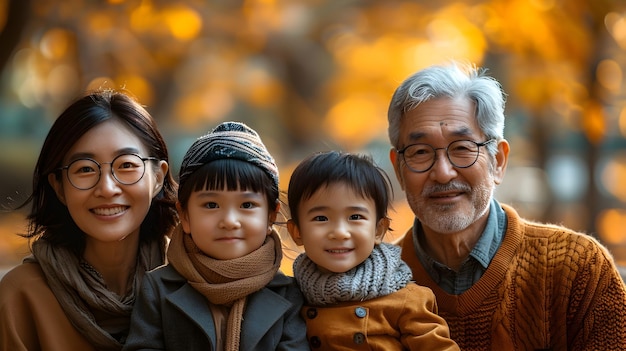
{"points": [[461, 154], [127, 169]]}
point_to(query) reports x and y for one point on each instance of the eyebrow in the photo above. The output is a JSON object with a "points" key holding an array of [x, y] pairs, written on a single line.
{"points": [[123, 151], [350, 208], [462, 132]]}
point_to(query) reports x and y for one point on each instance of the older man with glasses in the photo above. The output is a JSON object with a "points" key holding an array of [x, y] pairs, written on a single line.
{"points": [[501, 282]]}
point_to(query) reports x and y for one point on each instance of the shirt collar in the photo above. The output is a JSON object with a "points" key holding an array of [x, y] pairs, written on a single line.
{"points": [[490, 240]]}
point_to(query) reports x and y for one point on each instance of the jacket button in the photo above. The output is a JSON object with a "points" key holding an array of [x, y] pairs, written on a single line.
{"points": [[360, 312], [311, 313], [358, 338], [315, 342]]}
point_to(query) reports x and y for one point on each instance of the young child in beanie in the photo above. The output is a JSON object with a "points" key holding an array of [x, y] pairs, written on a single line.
{"points": [[222, 288], [358, 291]]}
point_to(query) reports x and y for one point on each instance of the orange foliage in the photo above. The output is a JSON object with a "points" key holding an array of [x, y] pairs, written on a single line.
{"points": [[12, 247], [594, 123]]}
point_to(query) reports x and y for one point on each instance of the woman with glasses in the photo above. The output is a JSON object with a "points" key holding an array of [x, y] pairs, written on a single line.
{"points": [[103, 204]]}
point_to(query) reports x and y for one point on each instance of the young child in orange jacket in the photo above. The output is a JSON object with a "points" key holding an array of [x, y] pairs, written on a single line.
{"points": [[358, 291]]}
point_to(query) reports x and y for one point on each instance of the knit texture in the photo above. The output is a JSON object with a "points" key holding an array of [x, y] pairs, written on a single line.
{"points": [[382, 273], [229, 140], [226, 282], [547, 288]]}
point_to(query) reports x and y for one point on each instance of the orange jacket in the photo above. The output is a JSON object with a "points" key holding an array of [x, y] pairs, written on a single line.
{"points": [[404, 320]]}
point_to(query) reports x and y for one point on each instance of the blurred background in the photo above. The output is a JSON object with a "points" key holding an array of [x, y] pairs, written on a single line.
{"points": [[313, 75]]}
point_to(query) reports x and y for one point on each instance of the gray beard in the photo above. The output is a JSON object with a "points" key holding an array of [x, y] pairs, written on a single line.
{"points": [[447, 219]]}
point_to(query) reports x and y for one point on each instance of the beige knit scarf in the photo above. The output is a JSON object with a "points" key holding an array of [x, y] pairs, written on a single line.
{"points": [[81, 291], [226, 282]]}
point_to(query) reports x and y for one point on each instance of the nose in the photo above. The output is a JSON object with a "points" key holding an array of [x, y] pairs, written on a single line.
{"points": [[339, 232], [107, 184], [443, 171], [230, 220]]}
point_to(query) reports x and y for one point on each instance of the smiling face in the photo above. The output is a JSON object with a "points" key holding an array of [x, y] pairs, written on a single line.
{"points": [[447, 199], [227, 224], [110, 211], [337, 227]]}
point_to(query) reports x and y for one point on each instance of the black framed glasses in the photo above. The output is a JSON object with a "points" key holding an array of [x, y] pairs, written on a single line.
{"points": [[461, 154], [127, 169]]}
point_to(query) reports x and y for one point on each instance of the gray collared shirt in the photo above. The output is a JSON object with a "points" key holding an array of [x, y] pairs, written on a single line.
{"points": [[475, 264]]}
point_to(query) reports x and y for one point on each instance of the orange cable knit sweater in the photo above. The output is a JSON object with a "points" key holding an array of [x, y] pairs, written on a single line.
{"points": [[547, 288]]}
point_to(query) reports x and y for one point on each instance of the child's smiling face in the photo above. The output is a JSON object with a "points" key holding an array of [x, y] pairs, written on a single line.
{"points": [[227, 224], [337, 227]]}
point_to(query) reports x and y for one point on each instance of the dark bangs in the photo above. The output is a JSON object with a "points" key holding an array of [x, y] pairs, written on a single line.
{"points": [[230, 175]]}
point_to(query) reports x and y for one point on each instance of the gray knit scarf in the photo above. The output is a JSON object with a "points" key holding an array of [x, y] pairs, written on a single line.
{"points": [[80, 290], [382, 273]]}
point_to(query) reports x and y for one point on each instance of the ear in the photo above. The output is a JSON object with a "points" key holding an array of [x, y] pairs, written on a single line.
{"points": [[294, 232], [57, 186], [395, 161], [501, 160], [159, 174], [272, 217], [184, 218], [381, 229]]}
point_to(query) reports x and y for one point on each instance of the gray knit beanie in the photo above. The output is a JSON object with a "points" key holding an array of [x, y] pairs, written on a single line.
{"points": [[229, 140]]}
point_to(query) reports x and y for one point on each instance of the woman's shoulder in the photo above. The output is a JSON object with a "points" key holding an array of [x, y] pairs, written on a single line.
{"points": [[22, 274], [25, 284]]}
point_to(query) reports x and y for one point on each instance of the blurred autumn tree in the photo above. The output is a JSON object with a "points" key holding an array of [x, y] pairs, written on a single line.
{"points": [[318, 74]]}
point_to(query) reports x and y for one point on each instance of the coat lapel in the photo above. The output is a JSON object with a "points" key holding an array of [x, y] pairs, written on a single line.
{"points": [[263, 309], [195, 306]]}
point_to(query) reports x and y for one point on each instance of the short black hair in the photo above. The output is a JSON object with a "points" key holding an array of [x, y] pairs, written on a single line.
{"points": [[330, 167]]}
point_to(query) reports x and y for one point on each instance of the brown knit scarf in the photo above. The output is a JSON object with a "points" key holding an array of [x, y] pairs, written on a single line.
{"points": [[226, 282]]}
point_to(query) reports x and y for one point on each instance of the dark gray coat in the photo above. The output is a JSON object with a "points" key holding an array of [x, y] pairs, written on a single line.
{"points": [[171, 315]]}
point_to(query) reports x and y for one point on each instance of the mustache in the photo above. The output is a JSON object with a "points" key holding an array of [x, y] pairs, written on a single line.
{"points": [[449, 187]]}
